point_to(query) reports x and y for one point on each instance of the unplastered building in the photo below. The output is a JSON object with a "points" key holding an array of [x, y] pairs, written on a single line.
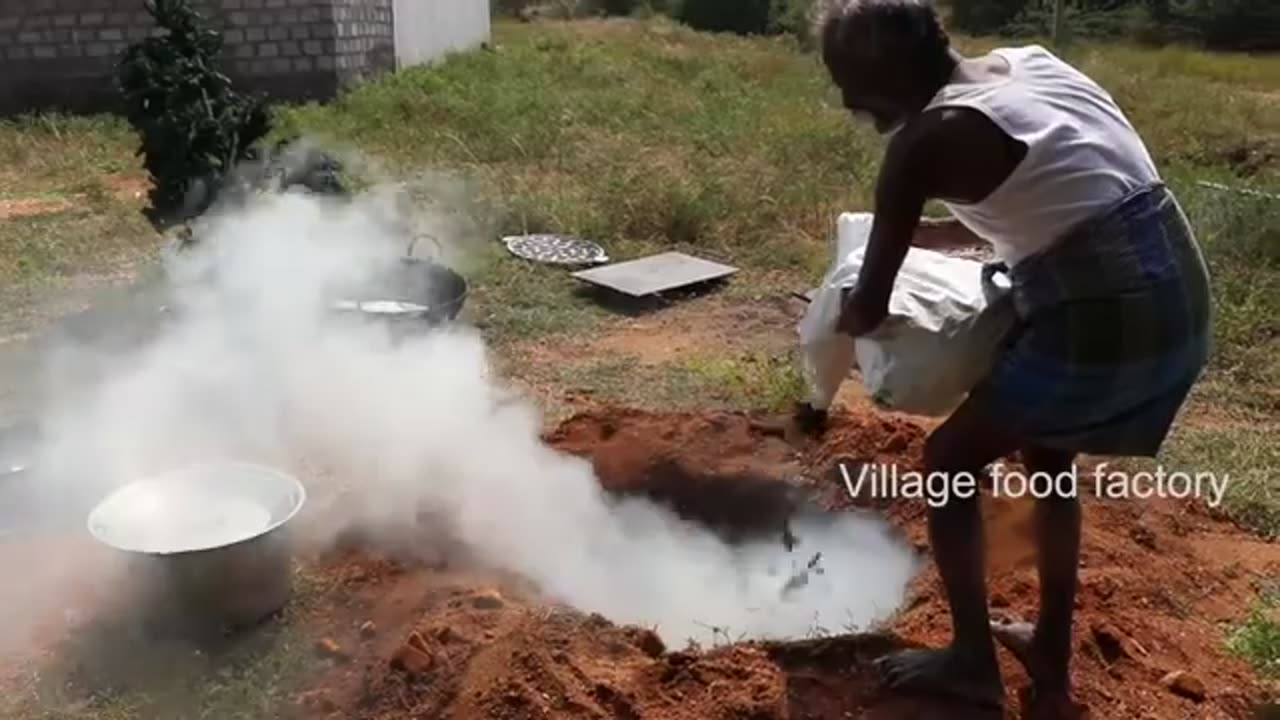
{"points": [[61, 54]]}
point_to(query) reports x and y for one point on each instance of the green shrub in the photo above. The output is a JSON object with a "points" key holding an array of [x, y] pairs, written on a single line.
{"points": [[744, 17], [571, 9], [568, 9], [194, 127], [985, 16], [1133, 21], [793, 17], [1257, 639], [666, 7], [511, 7], [624, 8], [1250, 25]]}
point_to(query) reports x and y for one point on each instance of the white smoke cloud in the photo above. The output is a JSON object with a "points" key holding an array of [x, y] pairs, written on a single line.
{"points": [[252, 366]]}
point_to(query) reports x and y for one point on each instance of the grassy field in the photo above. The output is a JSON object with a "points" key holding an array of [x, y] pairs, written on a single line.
{"points": [[642, 135]]}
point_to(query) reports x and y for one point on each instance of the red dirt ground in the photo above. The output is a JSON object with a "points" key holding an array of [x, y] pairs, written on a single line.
{"points": [[1160, 582], [440, 640]]}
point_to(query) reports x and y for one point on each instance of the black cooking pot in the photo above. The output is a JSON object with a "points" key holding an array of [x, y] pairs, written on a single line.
{"points": [[437, 287], [416, 292]]}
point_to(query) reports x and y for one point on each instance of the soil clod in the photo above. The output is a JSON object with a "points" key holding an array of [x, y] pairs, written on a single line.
{"points": [[1184, 684], [330, 649], [411, 659]]}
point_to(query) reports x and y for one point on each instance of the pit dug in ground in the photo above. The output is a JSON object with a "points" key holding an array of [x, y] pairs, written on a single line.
{"points": [[1159, 583]]}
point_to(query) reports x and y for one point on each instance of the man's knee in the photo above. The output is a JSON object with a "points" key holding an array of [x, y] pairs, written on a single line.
{"points": [[968, 441], [948, 450], [1047, 459], [953, 486]]}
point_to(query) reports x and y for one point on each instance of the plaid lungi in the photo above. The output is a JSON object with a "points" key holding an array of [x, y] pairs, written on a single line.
{"points": [[1114, 325]]}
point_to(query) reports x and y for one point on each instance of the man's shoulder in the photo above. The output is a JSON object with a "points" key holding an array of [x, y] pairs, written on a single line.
{"points": [[955, 152], [940, 128]]}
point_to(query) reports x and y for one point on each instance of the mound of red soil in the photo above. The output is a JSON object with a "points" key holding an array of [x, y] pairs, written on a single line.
{"points": [[478, 653], [1160, 581]]}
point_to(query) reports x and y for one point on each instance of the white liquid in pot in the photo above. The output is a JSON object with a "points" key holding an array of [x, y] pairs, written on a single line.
{"points": [[156, 519]]}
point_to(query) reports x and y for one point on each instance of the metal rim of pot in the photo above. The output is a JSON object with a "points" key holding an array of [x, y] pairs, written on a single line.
{"points": [[297, 491]]}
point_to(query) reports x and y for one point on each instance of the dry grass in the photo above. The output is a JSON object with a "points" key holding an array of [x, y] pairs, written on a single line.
{"points": [[73, 167]]}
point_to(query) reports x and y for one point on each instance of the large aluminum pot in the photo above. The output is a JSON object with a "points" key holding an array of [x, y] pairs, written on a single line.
{"points": [[208, 543]]}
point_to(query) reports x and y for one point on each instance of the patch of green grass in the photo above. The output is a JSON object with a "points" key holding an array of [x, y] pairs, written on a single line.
{"points": [[1247, 456], [750, 381], [512, 299], [1240, 236], [1185, 119], [95, 234], [1257, 639], [1234, 433], [1189, 64], [68, 159], [1231, 428], [52, 153]]}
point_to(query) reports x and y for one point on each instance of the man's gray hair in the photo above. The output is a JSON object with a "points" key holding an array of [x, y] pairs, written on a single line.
{"points": [[881, 30]]}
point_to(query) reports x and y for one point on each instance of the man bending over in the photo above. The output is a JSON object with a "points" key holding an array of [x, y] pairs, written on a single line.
{"points": [[1110, 288]]}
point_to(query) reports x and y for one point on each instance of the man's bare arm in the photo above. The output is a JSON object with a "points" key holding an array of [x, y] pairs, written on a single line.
{"points": [[933, 157], [899, 201], [957, 154]]}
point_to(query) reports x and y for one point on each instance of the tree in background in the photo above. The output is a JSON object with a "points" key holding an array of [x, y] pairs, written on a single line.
{"points": [[1250, 25], [1247, 25], [985, 16], [194, 127], [744, 17]]}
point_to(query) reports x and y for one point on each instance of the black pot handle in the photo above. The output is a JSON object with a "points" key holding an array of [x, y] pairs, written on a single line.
{"points": [[414, 243]]}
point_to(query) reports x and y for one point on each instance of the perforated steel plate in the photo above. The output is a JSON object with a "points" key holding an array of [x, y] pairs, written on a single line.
{"points": [[655, 274], [556, 249]]}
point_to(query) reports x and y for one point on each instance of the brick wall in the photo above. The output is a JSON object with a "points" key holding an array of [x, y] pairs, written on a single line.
{"points": [[365, 38], [62, 53]]}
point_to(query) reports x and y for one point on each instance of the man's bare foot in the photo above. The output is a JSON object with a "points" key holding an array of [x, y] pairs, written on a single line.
{"points": [[945, 673], [1019, 638]]}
